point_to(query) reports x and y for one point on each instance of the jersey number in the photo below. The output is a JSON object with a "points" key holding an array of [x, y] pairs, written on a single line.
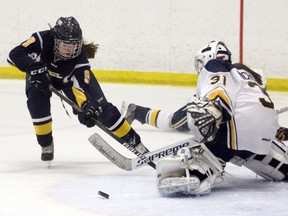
{"points": [[29, 41], [218, 78], [266, 103]]}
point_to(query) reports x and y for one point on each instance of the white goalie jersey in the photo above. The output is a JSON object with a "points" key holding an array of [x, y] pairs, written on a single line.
{"points": [[249, 117]]}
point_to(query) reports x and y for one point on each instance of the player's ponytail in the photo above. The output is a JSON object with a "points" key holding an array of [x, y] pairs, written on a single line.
{"points": [[90, 49], [256, 76]]}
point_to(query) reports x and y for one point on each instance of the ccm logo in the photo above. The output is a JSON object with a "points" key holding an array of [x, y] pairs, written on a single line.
{"points": [[38, 71]]}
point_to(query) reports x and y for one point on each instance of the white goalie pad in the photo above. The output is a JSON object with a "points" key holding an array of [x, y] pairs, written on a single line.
{"points": [[172, 178], [273, 166], [191, 172]]}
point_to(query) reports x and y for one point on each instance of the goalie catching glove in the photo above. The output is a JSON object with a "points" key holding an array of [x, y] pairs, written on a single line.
{"points": [[204, 118]]}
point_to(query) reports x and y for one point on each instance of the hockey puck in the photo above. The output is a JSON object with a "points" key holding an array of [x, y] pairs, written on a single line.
{"points": [[105, 195]]}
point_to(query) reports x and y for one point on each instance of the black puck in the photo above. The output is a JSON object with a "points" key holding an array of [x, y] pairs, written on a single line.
{"points": [[105, 195]]}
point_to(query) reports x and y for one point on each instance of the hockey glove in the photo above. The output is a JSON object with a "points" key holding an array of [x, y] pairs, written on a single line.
{"points": [[204, 118], [91, 112], [282, 134], [39, 76]]}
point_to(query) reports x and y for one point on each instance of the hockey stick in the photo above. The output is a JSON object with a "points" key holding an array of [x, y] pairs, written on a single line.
{"points": [[129, 164], [129, 147], [283, 109]]}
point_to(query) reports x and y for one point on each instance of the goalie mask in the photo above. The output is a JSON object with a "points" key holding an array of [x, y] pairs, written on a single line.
{"points": [[214, 50], [68, 38]]}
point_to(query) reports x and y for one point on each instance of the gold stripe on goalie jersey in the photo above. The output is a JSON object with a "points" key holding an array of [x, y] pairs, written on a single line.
{"points": [[152, 117], [226, 104], [123, 129], [43, 129], [232, 139], [224, 100], [79, 96], [219, 93]]}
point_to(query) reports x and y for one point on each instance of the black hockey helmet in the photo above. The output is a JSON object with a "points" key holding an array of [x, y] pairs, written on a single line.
{"points": [[68, 38]]}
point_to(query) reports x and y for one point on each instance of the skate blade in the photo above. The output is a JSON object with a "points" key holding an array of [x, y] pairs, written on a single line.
{"points": [[123, 109], [48, 164]]}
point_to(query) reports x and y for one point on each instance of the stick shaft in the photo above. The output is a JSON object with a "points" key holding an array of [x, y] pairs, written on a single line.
{"points": [[101, 126], [283, 109]]}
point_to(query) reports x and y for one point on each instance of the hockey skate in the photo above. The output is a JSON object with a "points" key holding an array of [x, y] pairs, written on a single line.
{"points": [[133, 140], [127, 111], [47, 154]]}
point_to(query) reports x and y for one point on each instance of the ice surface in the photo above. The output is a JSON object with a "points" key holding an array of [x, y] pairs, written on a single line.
{"points": [[70, 187]]}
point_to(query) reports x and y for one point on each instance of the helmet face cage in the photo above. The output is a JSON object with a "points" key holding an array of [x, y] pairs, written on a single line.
{"points": [[214, 50], [65, 50], [201, 60], [68, 38]]}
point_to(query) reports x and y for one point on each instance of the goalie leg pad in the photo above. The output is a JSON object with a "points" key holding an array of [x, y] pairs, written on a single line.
{"points": [[273, 166], [191, 172], [172, 178], [178, 185]]}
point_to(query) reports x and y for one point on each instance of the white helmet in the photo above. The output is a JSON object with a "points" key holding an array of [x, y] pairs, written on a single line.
{"points": [[214, 50]]}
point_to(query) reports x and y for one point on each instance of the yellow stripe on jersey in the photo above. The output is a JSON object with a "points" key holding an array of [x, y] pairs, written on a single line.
{"points": [[43, 129], [232, 138], [153, 117], [123, 129], [29, 41], [80, 96], [219, 93]]}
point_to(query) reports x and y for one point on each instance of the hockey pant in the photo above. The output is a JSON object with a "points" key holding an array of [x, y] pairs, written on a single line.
{"points": [[39, 106]]}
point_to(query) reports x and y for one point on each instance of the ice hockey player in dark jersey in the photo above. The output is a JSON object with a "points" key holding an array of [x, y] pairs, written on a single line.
{"points": [[59, 57]]}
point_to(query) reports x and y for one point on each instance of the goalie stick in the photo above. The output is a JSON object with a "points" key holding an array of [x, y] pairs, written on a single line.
{"points": [[129, 147], [129, 164], [283, 109]]}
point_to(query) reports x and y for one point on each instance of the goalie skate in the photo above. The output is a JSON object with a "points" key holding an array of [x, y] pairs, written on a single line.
{"points": [[177, 186]]}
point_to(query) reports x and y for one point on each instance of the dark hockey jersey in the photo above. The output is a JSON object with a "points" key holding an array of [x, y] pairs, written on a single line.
{"points": [[40, 48]]}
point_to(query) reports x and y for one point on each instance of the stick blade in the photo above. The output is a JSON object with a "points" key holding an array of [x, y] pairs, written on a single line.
{"points": [[109, 152]]}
